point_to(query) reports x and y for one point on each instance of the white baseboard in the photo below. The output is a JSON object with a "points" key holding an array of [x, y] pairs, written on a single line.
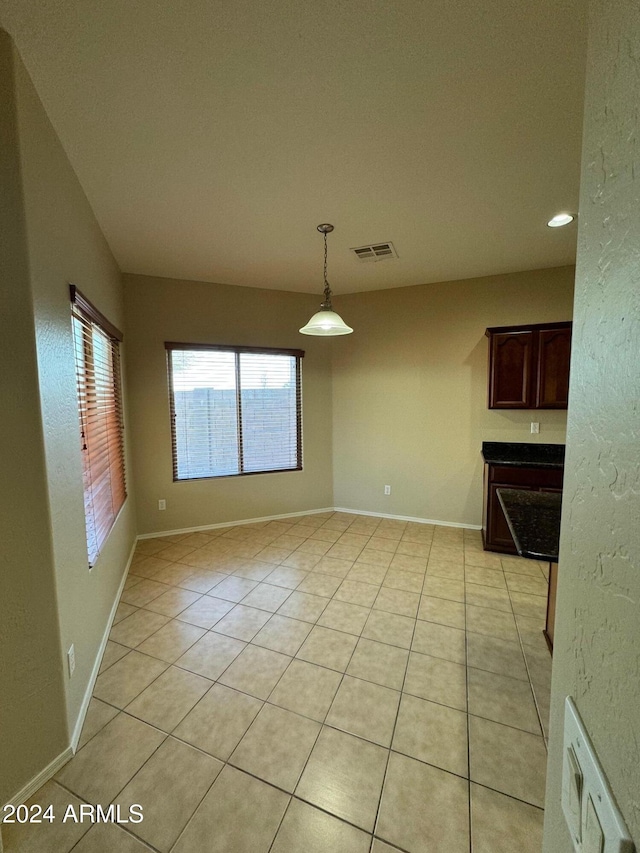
{"points": [[43, 776], [77, 730], [415, 519], [205, 527]]}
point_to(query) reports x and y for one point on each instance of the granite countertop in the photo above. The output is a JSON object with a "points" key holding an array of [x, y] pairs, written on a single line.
{"points": [[534, 522], [522, 454]]}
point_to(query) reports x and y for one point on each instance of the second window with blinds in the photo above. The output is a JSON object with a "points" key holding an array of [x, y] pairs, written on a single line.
{"points": [[234, 410], [97, 356]]}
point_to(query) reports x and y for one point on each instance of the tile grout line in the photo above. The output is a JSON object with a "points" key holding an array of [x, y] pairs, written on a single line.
{"points": [[144, 763], [294, 657], [395, 723], [320, 730], [308, 572], [323, 723], [466, 680], [329, 711], [533, 691], [291, 795], [227, 764]]}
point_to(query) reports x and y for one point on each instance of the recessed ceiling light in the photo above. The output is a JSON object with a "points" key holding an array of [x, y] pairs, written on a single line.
{"points": [[560, 219]]}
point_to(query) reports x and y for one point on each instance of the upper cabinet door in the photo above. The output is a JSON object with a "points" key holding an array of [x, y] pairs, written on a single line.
{"points": [[510, 369], [554, 355]]}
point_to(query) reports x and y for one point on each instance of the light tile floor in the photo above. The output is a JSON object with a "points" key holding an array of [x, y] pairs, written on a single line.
{"points": [[332, 682]]}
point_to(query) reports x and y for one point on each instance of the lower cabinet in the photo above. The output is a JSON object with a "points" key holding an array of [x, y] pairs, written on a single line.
{"points": [[495, 530]]}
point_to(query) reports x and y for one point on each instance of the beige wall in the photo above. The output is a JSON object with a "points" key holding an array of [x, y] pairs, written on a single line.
{"points": [[410, 391], [66, 245], [33, 727], [63, 244], [159, 310], [597, 640]]}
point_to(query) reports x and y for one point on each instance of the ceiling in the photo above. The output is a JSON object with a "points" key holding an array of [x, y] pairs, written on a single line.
{"points": [[212, 136]]}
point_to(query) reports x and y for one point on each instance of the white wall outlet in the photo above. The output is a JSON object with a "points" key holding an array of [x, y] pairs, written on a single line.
{"points": [[535, 428], [594, 820], [162, 504], [387, 490], [71, 659]]}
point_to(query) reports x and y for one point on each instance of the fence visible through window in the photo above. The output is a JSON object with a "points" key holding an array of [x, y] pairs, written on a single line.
{"points": [[234, 410]]}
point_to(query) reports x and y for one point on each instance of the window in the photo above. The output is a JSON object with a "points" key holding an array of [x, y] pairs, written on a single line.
{"points": [[97, 355], [234, 410]]}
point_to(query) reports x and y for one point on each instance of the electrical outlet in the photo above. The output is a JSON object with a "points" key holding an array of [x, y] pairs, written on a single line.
{"points": [[162, 504], [387, 490], [71, 659], [535, 428]]}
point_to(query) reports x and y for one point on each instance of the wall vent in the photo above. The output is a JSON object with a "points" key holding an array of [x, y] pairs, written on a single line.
{"points": [[375, 252]]}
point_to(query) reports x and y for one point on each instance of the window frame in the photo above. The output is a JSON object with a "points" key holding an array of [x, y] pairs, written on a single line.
{"points": [[171, 346], [98, 525]]}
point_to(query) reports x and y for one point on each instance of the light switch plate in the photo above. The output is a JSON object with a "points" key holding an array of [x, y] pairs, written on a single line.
{"points": [[601, 828]]}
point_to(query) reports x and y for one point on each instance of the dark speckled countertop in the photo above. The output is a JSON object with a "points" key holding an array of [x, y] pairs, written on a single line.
{"points": [[534, 522], [523, 454]]}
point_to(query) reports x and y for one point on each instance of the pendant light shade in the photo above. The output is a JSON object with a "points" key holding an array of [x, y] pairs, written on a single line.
{"points": [[326, 322]]}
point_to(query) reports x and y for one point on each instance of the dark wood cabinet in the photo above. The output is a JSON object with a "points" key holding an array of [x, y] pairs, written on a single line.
{"points": [[495, 530], [510, 358], [529, 366], [553, 356]]}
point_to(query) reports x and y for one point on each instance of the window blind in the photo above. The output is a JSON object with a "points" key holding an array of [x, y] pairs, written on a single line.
{"points": [[97, 356], [234, 410]]}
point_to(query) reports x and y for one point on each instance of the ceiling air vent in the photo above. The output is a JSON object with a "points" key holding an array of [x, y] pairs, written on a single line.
{"points": [[375, 252]]}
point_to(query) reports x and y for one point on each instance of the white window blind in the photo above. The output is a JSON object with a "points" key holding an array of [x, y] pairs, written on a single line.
{"points": [[97, 356], [234, 410]]}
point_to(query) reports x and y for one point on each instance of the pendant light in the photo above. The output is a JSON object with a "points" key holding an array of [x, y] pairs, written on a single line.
{"points": [[326, 322]]}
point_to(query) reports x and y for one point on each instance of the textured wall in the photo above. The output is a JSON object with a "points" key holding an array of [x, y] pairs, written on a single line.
{"points": [[33, 728], [410, 391], [159, 310], [65, 245], [597, 651]]}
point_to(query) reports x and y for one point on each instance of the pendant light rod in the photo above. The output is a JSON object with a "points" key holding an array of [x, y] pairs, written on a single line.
{"points": [[325, 228]]}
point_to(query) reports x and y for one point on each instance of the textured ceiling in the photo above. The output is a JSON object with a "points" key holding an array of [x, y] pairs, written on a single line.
{"points": [[212, 137]]}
